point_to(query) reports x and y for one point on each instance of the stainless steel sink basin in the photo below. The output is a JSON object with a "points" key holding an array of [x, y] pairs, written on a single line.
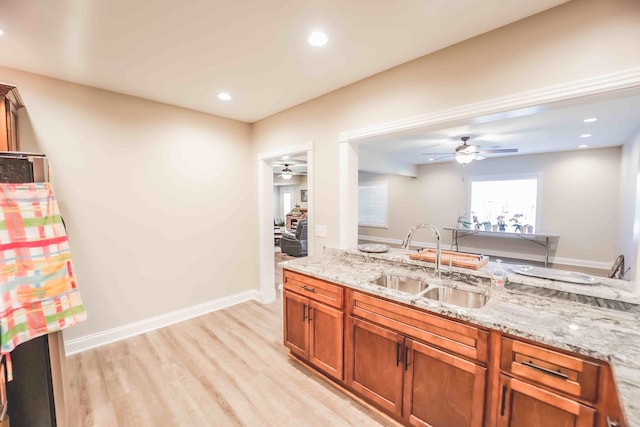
{"points": [[457, 297], [401, 283]]}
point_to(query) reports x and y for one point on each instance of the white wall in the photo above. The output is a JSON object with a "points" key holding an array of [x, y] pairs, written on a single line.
{"points": [[160, 214], [574, 41], [630, 213], [574, 186]]}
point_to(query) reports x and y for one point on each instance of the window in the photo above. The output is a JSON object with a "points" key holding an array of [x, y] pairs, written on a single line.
{"points": [[372, 204], [511, 198], [286, 203]]}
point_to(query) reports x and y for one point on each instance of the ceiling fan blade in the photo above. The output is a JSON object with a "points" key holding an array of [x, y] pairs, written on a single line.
{"points": [[438, 154], [479, 157], [497, 151]]}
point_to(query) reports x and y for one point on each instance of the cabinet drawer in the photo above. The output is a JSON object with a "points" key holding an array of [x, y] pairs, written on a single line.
{"points": [[315, 289], [450, 335], [562, 372]]}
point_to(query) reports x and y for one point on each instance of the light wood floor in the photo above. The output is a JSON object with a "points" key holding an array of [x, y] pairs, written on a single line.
{"points": [[279, 257], [227, 368]]}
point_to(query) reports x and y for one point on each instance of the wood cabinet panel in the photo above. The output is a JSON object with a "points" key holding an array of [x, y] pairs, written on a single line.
{"points": [[376, 368], [316, 289], [326, 326], [465, 340], [568, 374], [296, 336], [442, 389], [525, 405]]}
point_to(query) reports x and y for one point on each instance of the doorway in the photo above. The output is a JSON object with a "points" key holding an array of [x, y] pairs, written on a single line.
{"points": [[272, 216]]}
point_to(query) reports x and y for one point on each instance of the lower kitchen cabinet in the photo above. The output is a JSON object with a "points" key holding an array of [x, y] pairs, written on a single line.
{"points": [[442, 389], [414, 381], [428, 370], [314, 332], [376, 366], [525, 405]]}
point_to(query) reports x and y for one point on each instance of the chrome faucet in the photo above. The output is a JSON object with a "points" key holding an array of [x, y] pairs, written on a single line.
{"points": [[406, 243]]}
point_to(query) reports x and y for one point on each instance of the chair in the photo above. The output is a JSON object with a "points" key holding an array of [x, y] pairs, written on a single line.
{"points": [[295, 244]]}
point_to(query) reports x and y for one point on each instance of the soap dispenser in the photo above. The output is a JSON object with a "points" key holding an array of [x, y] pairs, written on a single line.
{"points": [[498, 275]]}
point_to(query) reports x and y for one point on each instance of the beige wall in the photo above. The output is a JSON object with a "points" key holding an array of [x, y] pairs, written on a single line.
{"points": [[295, 184], [150, 193], [574, 41], [574, 186], [630, 195]]}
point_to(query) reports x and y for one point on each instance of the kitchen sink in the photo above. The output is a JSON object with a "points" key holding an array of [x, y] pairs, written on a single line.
{"points": [[401, 283], [457, 297]]}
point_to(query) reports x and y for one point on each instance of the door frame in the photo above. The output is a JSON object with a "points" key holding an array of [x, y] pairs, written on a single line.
{"points": [[267, 292]]}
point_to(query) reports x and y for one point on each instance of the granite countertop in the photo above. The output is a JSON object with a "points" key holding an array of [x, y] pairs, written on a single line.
{"points": [[601, 321]]}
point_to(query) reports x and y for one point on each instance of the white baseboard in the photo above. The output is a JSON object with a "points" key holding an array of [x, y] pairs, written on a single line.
{"points": [[497, 253], [109, 336]]}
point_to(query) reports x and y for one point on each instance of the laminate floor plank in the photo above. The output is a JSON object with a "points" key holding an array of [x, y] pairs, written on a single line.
{"points": [[227, 368]]}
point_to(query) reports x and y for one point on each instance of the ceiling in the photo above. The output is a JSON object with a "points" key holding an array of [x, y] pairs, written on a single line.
{"points": [[186, 53], [542, 129]]}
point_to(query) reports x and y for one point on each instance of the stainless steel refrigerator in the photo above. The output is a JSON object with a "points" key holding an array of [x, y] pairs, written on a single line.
{"points": [[35, 396]]}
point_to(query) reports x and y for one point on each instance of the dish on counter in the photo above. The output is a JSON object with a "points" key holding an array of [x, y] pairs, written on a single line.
{"points": [[373, 248], [552, 274]]}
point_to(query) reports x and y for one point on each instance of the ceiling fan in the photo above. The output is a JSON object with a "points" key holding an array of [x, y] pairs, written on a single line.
{"points": [[466, 153], [287, 172]]}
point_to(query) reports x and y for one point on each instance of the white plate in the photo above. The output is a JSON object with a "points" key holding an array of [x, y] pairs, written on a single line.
{"points": [[549, 273], [373, 248]]}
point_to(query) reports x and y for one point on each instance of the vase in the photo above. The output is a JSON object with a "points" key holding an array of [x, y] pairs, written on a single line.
{"points": [[487, 227]]}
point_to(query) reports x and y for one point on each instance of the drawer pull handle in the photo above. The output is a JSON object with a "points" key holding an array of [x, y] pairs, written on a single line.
{"points": [[406, 358], [304, 312], [612, 423], [309, 315], [504, 403], [545, 370], [309, 289], [398, 354]]}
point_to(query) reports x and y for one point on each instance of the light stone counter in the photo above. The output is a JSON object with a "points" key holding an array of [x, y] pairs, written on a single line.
{"points": [[600, 321]]}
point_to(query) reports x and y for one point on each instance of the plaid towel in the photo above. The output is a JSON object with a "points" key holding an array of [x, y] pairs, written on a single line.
{"points": [[38, 292]]}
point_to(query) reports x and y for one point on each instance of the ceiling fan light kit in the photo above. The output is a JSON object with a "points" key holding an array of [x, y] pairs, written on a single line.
{"points": [[286, 172], [466, 153]]}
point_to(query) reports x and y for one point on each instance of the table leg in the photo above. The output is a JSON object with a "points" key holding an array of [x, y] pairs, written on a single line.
{"points": [[546, 252]]}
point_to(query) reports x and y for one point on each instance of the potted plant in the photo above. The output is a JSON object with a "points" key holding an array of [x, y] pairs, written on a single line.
{"points": [[502, 225], [486, 225], [517, 227], [463, 222]]}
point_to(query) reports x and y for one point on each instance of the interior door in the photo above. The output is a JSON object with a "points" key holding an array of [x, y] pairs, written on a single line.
{"points": [[377, 364], [296, 323], [326, 338], [525, 405], [441, 389]]}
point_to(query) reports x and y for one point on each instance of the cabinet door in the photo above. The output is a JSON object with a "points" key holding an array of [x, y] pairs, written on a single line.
{"points": [[326, 338], [376, 364], [296, 324], [442, 390], [525, 405]]}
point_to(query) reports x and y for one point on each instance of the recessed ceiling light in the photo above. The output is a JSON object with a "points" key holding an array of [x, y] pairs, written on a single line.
{"points": [[583, 146], [318, 39], [590, 120], [585, 135], [224, 96]]}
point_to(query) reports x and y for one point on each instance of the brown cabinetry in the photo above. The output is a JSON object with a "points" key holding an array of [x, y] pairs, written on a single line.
{"points": [[525, 405], [428, 370], [10, 102], [313, 330], [410, 379]]}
